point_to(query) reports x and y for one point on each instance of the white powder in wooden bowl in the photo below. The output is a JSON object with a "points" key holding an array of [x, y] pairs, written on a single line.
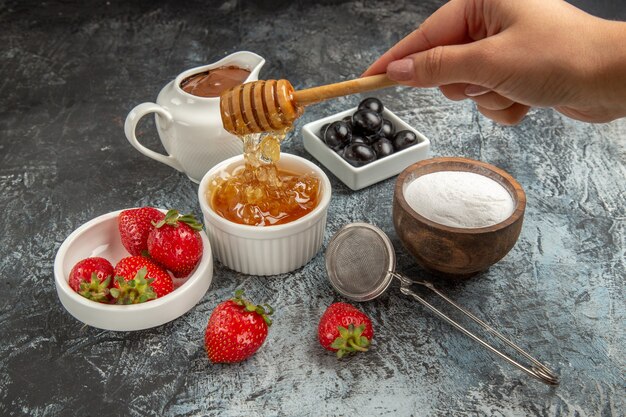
{"points": [[459, 199]]}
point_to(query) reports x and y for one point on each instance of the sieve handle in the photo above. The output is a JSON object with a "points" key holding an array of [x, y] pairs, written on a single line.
{"points": [[537, 370]]}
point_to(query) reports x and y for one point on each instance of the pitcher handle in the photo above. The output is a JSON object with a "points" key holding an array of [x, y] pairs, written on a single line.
{"points": [[131, 125]]}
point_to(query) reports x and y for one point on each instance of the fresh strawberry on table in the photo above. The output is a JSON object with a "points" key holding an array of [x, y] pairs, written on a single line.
{"points": [[135, 225], [236, 330], [175, 243], [92, 278], [345, 329], [138, 279]]}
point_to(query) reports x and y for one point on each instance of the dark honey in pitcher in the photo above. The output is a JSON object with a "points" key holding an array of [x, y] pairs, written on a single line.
{"points": [[213, 82]]}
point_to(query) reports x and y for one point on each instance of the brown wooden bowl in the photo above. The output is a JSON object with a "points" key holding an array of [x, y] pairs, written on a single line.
{"points": [[454, 252]]}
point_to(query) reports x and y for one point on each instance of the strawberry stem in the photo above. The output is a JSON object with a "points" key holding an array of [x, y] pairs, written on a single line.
{"points": [[95, 290], [264, 311], [355, 346], [350, 340], [134, 291], [172, 217]]}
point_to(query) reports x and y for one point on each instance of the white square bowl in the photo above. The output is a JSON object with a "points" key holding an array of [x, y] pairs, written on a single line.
{"points": [[381, 169]]}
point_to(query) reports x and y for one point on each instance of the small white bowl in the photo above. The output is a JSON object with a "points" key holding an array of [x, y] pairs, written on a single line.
{"points": [[361, 177], [266, 250], [100, 237]]}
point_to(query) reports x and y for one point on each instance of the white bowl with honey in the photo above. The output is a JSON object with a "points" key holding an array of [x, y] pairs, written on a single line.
{"points": [[266, 227]]}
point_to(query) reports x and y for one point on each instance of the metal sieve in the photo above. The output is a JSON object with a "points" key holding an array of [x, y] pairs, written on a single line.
{"points": [[361, 262]]}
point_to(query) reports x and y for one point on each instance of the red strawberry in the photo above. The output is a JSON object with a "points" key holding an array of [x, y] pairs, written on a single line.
{"points": [[176, 244], [345, 329], [236, 330], [135, 225], [92, 278], [138, 279]]}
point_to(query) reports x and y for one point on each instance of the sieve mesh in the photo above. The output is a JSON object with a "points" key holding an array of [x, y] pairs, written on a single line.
{"points": [[358, 260]]}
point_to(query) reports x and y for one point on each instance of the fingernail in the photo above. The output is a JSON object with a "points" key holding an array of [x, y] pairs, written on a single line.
{"points": [[402, 70], [473, 90]]}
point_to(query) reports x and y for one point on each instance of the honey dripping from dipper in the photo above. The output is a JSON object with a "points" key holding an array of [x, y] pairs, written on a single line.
{"points": [[260, 194]]}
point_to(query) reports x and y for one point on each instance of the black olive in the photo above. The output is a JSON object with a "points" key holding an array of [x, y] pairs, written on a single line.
{"points": [[383, 147], [388, 129], [337, 135], [323, 130], [358, 154], [403, 139], [372, 103], [367, 122], [357, 138]]}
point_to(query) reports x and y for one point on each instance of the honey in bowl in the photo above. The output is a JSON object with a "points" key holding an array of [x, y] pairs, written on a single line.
{"points": [[260, 194], [213, 82]]}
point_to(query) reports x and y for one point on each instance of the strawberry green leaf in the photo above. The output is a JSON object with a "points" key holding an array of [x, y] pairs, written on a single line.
{"points": [[350, 340], [251, 307], [95, 290], [345, 333], [338, 343], [191, 221], [172, 218], [134, 291]]}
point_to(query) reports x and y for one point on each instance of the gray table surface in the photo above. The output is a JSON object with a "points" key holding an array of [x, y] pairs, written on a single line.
{"points": [[69, 74]]}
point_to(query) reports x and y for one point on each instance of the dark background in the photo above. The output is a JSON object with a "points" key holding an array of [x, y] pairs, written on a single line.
{"points": [[70, 72]]}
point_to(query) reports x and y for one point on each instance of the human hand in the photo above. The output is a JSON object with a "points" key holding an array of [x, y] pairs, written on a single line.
{"points": [[509, 55]]}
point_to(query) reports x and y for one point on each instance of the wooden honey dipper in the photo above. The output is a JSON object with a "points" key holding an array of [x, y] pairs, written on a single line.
{"points": [[273, 105]]}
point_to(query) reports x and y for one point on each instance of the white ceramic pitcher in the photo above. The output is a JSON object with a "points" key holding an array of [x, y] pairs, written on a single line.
{"points": [[190, 127]]}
